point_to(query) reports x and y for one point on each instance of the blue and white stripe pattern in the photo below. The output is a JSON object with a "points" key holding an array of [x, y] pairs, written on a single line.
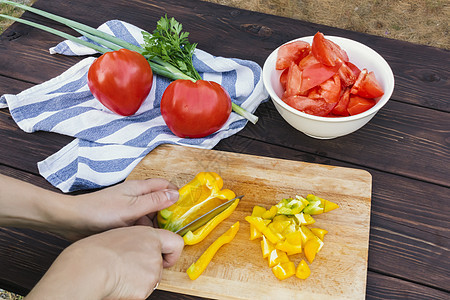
{"points": [[108, 146]]}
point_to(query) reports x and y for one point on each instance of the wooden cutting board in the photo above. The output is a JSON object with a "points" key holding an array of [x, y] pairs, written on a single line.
{"points": [[238, 270]]}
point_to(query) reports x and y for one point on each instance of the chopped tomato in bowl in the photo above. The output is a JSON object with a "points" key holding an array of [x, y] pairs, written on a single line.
{"points": [[330, 89]]}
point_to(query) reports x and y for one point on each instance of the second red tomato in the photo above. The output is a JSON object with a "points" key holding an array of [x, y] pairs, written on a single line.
{"points": [[195, 109]]}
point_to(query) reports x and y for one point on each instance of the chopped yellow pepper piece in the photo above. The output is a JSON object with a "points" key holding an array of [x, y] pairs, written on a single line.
{"points": [[318, 205], [277, 257], [289, 248], [266, 247], [319, 232], [197, 268], [270, 214], [303, 271], [191, 238], [258, 211], [284, 270], [311, 248], [200, 195]]}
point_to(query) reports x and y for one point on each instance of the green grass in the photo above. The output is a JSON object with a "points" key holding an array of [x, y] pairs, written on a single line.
{"points": [[11, 11]]}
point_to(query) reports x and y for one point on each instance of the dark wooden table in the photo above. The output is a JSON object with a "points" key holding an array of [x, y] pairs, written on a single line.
{"points": [[405, 146]]}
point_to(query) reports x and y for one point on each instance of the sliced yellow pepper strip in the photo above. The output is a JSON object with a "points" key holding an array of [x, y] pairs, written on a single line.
{"points": [[303, 271], [191, 238], [197, 268]]}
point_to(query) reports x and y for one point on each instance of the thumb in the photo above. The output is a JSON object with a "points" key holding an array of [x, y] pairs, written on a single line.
{"points": [[171, 246]]}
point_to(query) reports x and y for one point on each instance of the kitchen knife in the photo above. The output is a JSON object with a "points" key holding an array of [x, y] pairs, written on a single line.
{"points": [[202, 220]]}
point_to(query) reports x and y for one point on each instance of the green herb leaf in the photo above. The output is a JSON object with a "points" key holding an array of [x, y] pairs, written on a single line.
{"points": [[171, 44]]}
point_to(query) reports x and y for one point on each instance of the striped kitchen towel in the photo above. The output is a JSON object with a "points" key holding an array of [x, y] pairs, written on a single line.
{"points": [[107, 146]]}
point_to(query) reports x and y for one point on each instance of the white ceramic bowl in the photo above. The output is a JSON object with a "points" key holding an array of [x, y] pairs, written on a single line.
{"points": [[325, 127]]}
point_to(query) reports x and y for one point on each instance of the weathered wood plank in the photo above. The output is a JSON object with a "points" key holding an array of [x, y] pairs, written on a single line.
{"points": [[403, 139], [383, 287], [421, 77]]}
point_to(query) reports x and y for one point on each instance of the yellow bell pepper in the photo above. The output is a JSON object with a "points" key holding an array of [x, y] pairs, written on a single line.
{"points": [[276, 257], [304, 219], [191, 238], [266, 247], [199, 196], [292, 245], [270, 214], [318, 205], [258, 211], [290, 206], [303, 271], [197, 268], [319, 232], [312, 247], [284, 270]]}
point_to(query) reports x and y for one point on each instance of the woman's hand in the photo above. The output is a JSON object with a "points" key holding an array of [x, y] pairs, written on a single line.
{"points": [[130, 203], [74, 217], [124, 263]]}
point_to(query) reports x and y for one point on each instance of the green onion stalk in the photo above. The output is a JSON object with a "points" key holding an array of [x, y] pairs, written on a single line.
{"points": [[157, 48]]}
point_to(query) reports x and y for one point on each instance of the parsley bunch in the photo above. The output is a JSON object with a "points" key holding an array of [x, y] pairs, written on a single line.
{"points": [[170, 44]]}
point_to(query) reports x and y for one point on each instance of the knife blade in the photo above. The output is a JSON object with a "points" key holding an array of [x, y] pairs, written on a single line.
{"points": [[205, 218]]}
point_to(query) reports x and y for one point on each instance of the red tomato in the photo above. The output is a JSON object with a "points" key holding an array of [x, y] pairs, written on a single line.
{"points": [[291, 52], [283, 78], [293, 81], [367, 86], [308, 60], [358, 104], [354, 68], [348, 76], [329, 91], [317, 107], [121, 80], [314, 75], [341, 107], [195, 109], [326, 51]]}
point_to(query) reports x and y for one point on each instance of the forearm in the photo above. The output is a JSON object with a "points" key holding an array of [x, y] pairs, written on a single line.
{"points": [[25, 205], [77, 273]]}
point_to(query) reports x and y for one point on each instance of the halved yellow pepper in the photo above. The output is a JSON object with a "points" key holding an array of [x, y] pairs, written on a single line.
{"points": [[197, 268], [199, 196], [303, 271], [284, 270], [191, 238]]}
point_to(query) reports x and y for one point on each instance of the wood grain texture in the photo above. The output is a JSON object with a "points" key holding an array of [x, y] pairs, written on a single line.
{"points": [[405, 147], [239, 269]]}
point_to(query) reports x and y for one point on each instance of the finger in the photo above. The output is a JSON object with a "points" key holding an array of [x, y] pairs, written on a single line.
{"points": [[142, 187], [156, 201], [171, 247], [144, 221]]}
